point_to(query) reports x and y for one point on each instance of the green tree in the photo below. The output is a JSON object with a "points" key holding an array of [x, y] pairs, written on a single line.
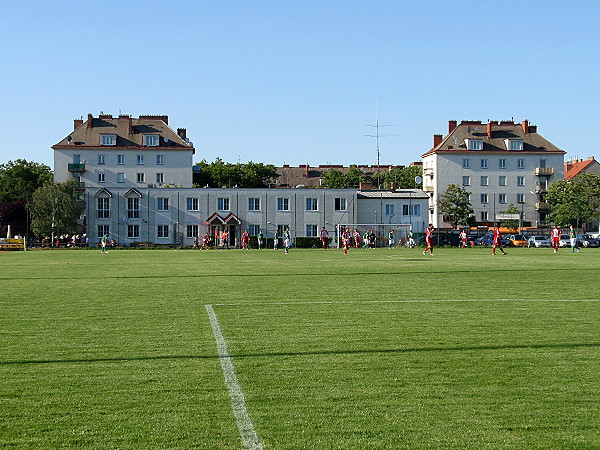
{"points": [[405, 178], [219, 173], [54, 209], [575, 201], [455, 206], [335, 179], [355, 176], [512, 224]]}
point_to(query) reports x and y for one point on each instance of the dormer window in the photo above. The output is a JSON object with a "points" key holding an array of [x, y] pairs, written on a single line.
{"points": [[474, 144], [108, 139], [514, 144], [151, 140]]}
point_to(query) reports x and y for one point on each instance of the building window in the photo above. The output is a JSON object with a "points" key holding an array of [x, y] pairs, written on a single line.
{"points": [[281, 229], [483, 198], [312, 204], [192, 231], [254, 204], [484, 163], [120, 159], [160, 178], [151, 140], [102, 230], [474, 144], [466, 163], [411, 210], [101, 177], [223, 204], [192, 204], [162, 231], [140, 178], [501, 198], [502, 164], [120, 177], [520, 163], [160, 160], [484, 180], [520, 181], [133, 208], [108, 139], [340, 204], [389, 210], [484, 216], [542, 163], [520, 198], [502, 180], [162, 204], [466, 180], [283, 204], [253, 229], [101, 160], [311, 231], [103, 208], [515, 144], [133, 231], [140, 159]]}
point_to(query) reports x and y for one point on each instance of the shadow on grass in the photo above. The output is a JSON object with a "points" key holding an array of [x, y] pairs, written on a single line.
{"points": [[312, 353]]}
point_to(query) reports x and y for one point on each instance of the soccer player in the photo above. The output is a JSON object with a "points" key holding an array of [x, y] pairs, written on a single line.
{"points": [[245, 240], [391, 240], [104, 243], [259, 238], [429, 240], [411, 239], [356, 238], [324, 238], [346, 240], [497, 242], [463, 239], [573, 237], [287, 239], [555, 234], [205, 241]]}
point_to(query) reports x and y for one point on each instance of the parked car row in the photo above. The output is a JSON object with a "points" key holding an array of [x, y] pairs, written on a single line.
{"points": [[517, 240]]}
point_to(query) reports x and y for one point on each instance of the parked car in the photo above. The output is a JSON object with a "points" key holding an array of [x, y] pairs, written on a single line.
{"points": [[472, 240], [565, 241], [439, 240], [488, 239], [586, 240], [538, 241], [517, 240]]}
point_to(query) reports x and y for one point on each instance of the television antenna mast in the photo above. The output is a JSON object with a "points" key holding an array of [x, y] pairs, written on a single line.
{"points": [[377, 134]]}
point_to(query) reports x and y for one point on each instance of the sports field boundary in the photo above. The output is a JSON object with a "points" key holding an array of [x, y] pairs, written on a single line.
{"points": [[248, 434]]}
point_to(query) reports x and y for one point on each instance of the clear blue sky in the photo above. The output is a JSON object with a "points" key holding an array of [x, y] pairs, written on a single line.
{"points": [[297, 82]]}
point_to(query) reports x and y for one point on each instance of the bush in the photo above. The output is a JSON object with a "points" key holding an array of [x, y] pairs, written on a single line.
{"points": [[308, 242]]}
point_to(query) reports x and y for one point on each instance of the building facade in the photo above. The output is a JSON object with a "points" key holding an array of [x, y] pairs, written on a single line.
{"points": [[499, 163]]}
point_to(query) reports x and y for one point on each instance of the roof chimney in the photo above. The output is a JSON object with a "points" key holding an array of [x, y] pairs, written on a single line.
{"points": [[489, 130], [525, 125], [452, 124], [77, 123], [182, 133], [89, 121], [437, 140]]}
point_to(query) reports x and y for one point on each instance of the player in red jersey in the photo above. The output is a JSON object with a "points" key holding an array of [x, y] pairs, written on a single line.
{"points": [[497, 242], [346, 237], [356, 237], [555, 234], [245, 240], [324, 238], [463, 239], [429, 240]]}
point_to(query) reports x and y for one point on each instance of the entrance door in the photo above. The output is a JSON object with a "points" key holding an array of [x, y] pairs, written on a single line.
{"points": [[232, 235]]}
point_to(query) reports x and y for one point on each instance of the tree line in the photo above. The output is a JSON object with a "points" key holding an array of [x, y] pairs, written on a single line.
{"points": [[401, 178]]}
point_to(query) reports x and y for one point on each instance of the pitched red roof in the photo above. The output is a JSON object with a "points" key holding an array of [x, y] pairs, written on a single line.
{"points": [[574, 168]]}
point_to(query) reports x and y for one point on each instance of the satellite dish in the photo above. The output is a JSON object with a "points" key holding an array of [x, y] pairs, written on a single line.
{"points": [[418, 179], [69, 138]]}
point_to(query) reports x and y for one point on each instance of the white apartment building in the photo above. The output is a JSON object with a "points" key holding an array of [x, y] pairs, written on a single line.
{"points": [[499, 163]]}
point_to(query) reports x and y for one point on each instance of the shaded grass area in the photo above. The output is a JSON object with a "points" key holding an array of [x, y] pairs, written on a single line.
{"points": [[115, 350]]}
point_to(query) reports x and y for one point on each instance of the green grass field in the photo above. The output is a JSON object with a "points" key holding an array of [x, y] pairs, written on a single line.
{"points": [[379, 349]]}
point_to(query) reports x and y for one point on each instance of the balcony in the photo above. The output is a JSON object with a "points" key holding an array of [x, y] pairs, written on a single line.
{"points": [[541, 206], [544, 171], [428, 188], [79, 185], [72, 167], [540, 189]]}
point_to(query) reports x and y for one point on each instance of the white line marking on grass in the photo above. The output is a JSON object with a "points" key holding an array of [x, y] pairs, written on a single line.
{"points": [[238, 403], [365, 302]]}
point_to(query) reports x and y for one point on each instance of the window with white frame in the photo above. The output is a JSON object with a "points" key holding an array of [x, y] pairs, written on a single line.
{"points": [[141, 178], [192, 231], [411, 210], [133, 231], [502, 163], [162, 203], [101, 177], [283, 204], [483, 198], [389, 210], [542, 163], [103, 207], [466, 163], [160, 178], [281, 229], [192, 203], [253, 229], [340, 204], [160, 160], [484, 180], [223, 204], [133, 208], [520, 198], [151, 140], [102, 230], [101, 160], [466, 180], [311, 231], [254, 204], [312, 204], [520, 163], [108, 139], [514, 144], [162, 231], [120, 177], [484, 216], [474, 144], [520, 181], [501, 198], [502, 180], [484, 163], [140, 160], [121, 159]]}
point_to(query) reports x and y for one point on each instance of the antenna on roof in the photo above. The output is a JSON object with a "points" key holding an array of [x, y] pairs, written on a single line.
{"points": [[377, 135]]}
